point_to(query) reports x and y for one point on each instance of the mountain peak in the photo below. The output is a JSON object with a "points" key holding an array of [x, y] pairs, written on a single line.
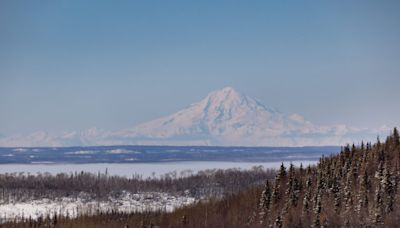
{"points": [[226, 102], [224, 117], [229, 98], [225, 93], [228, 89]]}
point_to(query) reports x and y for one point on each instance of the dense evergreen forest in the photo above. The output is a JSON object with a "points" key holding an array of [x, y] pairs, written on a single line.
{"points": [[356, 188]]}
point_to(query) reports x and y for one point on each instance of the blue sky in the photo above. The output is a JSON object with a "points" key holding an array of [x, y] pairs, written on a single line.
{"points": [[71, 65]]}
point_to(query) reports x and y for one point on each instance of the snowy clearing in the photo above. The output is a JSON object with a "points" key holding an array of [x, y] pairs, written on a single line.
{"points": [[72, 207]]}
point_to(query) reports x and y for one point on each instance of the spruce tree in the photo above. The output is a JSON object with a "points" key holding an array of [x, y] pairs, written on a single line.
{"points": [[379, 195], [396, 137], [265, 202], [388, 189], [282, 172], [336, 195], [307, 197]]}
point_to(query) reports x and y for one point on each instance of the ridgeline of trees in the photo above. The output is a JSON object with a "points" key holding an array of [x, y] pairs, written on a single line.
{"points": [[20, 187], [357, 188]]}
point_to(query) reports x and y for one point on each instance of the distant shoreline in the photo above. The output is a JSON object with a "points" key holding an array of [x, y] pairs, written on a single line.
{"points": [[159, 154]]}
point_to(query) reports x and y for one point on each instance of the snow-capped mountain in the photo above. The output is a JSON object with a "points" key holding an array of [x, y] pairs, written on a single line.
{"points": [[226, 117], [223, 118]]}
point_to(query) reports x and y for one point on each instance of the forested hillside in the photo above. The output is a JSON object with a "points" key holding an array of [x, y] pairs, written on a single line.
{"points": [[356, 188]]}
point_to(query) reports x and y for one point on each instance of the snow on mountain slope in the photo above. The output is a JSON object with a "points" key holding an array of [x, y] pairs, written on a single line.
{"points": [[227, 117], [223, 118]]}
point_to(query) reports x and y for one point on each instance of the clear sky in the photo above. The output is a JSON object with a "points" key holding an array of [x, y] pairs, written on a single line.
{"points": [[71, 65]]}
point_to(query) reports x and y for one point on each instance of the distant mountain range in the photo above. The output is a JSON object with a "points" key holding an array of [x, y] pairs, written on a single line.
{"points": [[223, 118]]}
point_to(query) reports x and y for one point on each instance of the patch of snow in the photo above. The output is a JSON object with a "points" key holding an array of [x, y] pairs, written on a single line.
{"points": [[20, 149], [72, 207], [43, 162], [83, 152], [122, 151]]}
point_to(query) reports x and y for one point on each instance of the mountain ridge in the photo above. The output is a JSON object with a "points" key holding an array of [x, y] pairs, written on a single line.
{"points": [[224, 117]]}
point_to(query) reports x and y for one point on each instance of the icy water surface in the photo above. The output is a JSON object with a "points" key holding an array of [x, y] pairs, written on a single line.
{"points": [[146, 154], [144, 169], [148, 161]]}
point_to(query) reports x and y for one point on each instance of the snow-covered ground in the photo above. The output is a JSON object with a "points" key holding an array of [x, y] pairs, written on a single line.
{"points": [[122, 201], [72, 207]]}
